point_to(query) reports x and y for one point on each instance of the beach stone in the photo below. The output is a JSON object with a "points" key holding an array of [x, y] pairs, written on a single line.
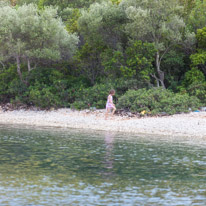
{"points": [[101, 110], [163, 114], [129, 114]]}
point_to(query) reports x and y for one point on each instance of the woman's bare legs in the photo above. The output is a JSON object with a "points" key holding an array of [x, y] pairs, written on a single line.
{"points": [[107, 112], [114, 109]]}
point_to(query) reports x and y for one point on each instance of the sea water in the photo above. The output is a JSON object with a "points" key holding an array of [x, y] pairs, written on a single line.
{"points": [[48, 166]]}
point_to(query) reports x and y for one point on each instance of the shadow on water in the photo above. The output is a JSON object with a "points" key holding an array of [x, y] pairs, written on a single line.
{"points": [[78, 167]]}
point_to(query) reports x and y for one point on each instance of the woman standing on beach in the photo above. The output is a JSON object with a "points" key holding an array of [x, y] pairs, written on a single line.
{"points": [[110, 105]]}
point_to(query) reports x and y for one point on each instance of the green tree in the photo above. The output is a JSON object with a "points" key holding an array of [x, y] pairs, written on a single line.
{"points": [[199, 58], [158, 22], [197, 17], [194, 84], [175, 63], [5, 3], [103, 23], [32, 36], [101, 29], [139, 58], [60, 3], [88, 61], [70, 17], [133, 62], [193, 76], [188, 6], [22, 2]]}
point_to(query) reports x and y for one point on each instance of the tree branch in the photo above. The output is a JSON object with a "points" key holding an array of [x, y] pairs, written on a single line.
{"points": [[3, 66], [165, 52]]}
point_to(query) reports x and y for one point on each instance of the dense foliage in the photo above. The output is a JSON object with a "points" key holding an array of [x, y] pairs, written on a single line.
{"points": [[154, 101], [71, 53]]}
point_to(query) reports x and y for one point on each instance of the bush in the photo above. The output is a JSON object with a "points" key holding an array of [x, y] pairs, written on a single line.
{"points": [[42, 89], [6, 77], [49, 87], [123, 85], [95, 96], [193, 76], [194, 84], [157, 100], [44, 98], [79, 105], [198, 90]]}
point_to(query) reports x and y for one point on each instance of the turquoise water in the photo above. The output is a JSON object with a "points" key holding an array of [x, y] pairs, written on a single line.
{"points": [[70, 167]]}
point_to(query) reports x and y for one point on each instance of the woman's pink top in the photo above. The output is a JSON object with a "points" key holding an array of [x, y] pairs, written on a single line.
{"points": [[109, 102]]}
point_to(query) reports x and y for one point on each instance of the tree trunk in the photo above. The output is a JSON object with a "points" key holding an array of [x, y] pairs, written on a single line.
{"points": [[159, 71], [19, 68], [157, 80], [3, 66], [28, 65]]}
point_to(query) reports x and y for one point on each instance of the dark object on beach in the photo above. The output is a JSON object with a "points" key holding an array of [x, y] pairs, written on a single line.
{"points": [[11, 107], [127, 113], [163, 114]]}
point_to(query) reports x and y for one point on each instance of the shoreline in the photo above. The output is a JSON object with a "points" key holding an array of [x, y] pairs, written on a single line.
{"points": [[192, 124]]}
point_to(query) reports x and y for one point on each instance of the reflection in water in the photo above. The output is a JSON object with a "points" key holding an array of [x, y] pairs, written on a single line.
{"points": [[109, 156], [43, 167]]}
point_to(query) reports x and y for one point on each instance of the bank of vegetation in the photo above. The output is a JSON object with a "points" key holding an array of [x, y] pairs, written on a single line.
{"points": [[71, 53]]}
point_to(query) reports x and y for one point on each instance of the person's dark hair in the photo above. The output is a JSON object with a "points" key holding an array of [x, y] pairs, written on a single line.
{"points": [[112, 91]]}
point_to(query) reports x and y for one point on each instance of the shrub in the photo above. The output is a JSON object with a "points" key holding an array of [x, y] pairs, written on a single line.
{"points": [[95, 96], [194, 84], [79, 105], [6, 77], [44, 98], [198, 90], [193, 76], [157, 100], [122, 85]]}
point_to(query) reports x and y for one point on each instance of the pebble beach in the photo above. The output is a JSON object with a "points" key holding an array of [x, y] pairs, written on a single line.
{"points": [[192, 124]]}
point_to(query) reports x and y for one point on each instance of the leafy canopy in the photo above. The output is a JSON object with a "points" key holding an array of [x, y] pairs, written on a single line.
{"points": [[34, 35]]}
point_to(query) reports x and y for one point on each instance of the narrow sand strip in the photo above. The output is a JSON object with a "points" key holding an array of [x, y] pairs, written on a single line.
{"points": [[193, 124]]}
